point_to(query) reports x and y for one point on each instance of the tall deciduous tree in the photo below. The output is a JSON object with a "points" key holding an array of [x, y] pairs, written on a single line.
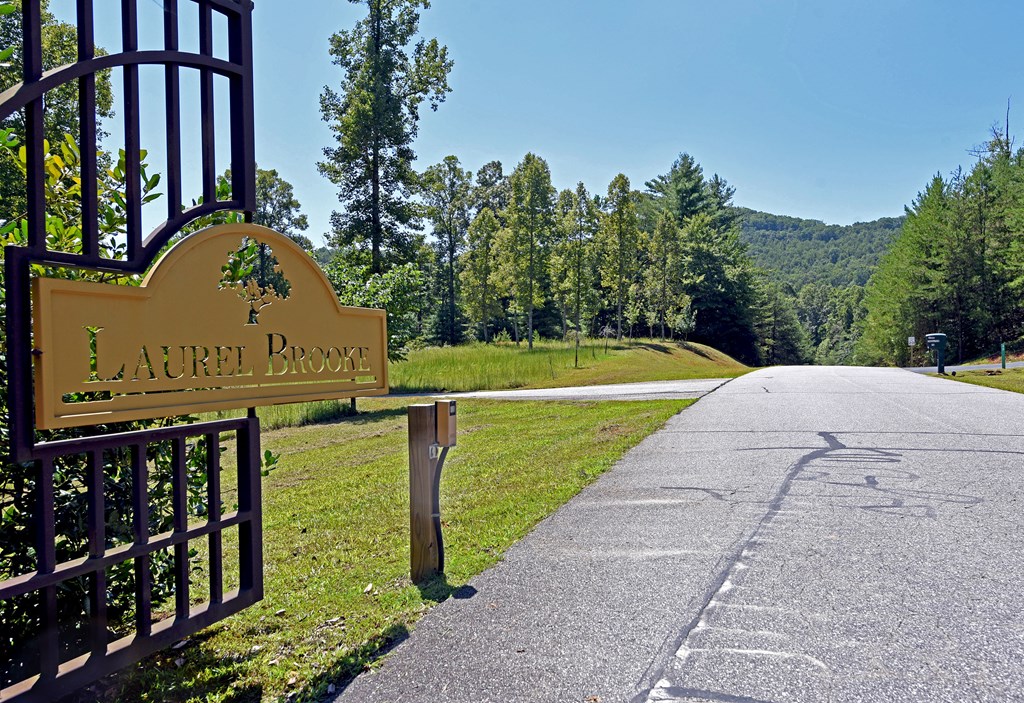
{"points": [[447, 191], [278, 209], [479, 270], [573, 261], [619, 244], [663, 277], [491, 189], [530, 221], [375, 119]]}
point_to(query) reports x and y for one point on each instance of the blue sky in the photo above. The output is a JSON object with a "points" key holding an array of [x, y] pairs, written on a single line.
{"points": [[839, 111]]}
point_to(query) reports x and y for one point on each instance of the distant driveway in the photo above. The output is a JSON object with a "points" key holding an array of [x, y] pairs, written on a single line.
{"points": [[652, 390]]}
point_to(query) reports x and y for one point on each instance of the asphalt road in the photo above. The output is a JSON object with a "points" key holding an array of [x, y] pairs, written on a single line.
{"points": [[801, 534], [651, 390]]}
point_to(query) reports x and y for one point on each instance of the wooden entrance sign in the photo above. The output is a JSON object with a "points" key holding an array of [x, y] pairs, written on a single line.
{"points": [[234, 316]]}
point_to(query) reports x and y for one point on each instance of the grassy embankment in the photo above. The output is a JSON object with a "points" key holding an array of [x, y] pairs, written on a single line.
{"points": [[1008, 380], [338, 594], [550, 365], [995, 359], [474, 367]]}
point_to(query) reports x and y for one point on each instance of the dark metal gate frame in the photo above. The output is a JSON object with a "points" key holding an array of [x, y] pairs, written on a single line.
{"points": [[57, 677]]}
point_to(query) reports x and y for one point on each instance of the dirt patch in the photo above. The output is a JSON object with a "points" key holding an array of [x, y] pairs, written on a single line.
{"points": [[611, 430]]}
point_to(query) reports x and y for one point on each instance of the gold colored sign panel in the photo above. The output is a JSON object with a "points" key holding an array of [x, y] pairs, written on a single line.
{"points": [[234, 316]]}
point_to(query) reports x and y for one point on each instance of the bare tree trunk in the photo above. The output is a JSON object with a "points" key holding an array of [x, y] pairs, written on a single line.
{"points": [[483, 313], [529, 327], [376, 231], [529, 319], [618, 319]]}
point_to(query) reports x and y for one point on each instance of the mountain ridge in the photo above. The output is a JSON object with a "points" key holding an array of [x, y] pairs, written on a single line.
{"points": [[801, 251]]}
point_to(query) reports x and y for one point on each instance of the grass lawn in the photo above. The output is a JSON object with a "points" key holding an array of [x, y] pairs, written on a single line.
{"points": [[1008, 380], [336, 520], [475, 367]]}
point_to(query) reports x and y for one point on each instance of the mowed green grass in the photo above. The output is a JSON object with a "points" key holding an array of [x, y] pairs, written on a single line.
{"points": [[474, 367], [1008, 380], [336, 520]]}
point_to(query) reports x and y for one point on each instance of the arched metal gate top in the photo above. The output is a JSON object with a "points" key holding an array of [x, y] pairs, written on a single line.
{"points": [[59, 671], [29, 95]]}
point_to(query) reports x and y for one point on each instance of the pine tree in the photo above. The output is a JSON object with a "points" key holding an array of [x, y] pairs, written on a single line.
{"points": [[719, 278], [781, 339], [904, 294], [580, 256], [479, 270], [619, 244], [530, 222], [447, 192], [491, 190], [663, 276], [682, 192], [374, 119]]}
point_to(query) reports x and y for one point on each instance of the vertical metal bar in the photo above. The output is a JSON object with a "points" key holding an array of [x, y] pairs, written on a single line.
{"points": [[250, 532], [140, 526], [18, 317], [179, 506], [34, 131], [206, 105], [213, 513], [172, 94], [96, 530], [132, 176], [243, 141], [87, 132], [46, 555]]}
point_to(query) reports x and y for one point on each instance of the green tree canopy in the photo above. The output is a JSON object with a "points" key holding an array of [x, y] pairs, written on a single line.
{"points": [[447, 192], [374, 118], [278, 209], [619, 236], [530, 223], [479, 274]]}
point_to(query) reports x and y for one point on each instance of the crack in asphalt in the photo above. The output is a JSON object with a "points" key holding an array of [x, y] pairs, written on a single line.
{"points": [[653, 686], [732, 564]]}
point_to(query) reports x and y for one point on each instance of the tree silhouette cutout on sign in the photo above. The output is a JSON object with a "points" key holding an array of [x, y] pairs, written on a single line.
{"points": [[255, 275]]}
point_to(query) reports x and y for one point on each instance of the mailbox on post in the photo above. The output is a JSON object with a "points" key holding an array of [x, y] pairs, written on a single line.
{"points": [[431, 434], [445, 423], [936, 341]]}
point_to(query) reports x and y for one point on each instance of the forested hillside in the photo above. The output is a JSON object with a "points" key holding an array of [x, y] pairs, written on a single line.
{"points": [[801, 251], [958, 265]]}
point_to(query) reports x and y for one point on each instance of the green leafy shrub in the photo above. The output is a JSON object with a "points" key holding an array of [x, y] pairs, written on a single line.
{"points": [[20, 616]]}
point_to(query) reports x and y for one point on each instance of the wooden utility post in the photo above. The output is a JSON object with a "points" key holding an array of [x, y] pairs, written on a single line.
{"points": [[431, 434]]}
